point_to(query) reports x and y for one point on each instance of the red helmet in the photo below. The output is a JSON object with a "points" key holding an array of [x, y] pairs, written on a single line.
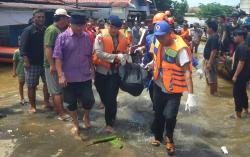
{"points": [[170, 20]]}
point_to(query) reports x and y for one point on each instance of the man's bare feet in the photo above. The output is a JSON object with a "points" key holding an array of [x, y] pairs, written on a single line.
{"points": [[75, 131], [244, 113], [32, 110], [236, 116], [86, 121]]}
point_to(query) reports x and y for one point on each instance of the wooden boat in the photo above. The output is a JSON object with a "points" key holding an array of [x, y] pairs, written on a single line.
{"points": [[6, 54]]}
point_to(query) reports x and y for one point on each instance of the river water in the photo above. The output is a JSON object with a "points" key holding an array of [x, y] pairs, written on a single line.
{"points": [[198, 134]]}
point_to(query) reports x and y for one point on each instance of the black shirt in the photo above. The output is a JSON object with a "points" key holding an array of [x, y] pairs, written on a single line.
{"points": [[212, 43], [32, 44], [230, 30], [242, 54]]}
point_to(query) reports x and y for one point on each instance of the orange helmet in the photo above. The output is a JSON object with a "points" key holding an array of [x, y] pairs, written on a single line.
{"points": [[170, 20], [168, 13], [159, 17]]}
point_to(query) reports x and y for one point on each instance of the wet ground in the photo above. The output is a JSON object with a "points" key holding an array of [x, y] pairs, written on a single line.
{"points": [[200, 134]]}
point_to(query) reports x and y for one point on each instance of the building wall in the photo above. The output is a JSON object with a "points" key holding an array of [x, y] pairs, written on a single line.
{"points": [[14, 17], [245, 5]]}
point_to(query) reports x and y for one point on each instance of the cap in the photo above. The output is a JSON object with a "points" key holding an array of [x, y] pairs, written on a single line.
{"points": [[115, 21], [161, 28], [78, 18], [61, 11]]}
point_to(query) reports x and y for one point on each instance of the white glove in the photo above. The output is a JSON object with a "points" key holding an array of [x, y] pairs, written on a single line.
{"points": [[150, 65], [140, 49], [123, 58], [191, 103], [200, 73]]}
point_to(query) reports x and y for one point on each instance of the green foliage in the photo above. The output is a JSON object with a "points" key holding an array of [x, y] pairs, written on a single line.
{"points": [[177, 8], [213, 10]]}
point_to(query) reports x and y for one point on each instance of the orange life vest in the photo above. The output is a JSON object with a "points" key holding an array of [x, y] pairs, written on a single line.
{"points": [[173, 76], [108, 47]]}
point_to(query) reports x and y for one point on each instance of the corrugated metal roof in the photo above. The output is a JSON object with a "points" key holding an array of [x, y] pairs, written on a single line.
{"points": [[37, 1], [45, 1], [42, 6], [97, 1], [120, 3]]}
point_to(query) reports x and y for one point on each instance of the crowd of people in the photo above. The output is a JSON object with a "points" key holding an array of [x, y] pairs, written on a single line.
{"points": [[229, 42], [74, 50]]}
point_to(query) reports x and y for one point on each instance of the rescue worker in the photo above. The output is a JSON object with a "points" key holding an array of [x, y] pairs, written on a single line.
{"points": [[172, 76], [147, 56], [110, 49]]}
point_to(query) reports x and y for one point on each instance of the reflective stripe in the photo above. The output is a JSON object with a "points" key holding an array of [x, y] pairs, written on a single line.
{"points": [[182, 86], [178, 74], [180, 71], [179, 79]]}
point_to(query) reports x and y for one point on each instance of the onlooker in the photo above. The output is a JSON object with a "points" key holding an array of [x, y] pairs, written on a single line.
{"points": [[221, 28], [185, 34], [90, 31], [135, 33], [196, 34], [18, 70], [73, 54], [228, 34], [127, 32], [241, 69], [32, 51], [221, 25], [101, 25], [61, 22], [210, 52], [142, 29]]}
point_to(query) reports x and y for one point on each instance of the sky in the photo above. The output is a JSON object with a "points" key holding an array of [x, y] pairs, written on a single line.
{"points": [[194, 3]]}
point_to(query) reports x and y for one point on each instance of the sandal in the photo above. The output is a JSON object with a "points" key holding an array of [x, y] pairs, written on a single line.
{"points": [[170, 148], [65, 117], [155, 143]]}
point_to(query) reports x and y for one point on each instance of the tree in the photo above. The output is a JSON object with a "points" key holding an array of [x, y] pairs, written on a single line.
{"points": [[177, 8], [214, 10]]}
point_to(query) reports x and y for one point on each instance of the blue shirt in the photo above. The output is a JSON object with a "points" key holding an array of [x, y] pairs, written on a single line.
{"points": [[147, 55]]}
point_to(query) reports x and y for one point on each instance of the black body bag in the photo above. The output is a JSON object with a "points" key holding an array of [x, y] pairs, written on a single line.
{"points": [[133, 78]]}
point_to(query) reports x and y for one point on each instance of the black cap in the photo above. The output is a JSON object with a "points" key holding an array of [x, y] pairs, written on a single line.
{"points": [[78, 18], [115, 21]]}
